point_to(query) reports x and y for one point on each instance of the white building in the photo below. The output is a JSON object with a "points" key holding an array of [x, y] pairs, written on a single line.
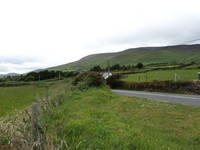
{"points": [[106, 75]]}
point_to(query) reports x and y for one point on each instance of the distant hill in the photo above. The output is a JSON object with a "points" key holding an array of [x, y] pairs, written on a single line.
{"points": [[146, 55], [8, 74]]}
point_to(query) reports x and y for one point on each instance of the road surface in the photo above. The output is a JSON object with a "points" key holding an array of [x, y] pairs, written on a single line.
{"points": [[193, 100]]}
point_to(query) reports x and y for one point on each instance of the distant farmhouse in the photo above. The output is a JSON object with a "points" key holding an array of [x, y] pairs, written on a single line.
{"points": [[106, 75]]}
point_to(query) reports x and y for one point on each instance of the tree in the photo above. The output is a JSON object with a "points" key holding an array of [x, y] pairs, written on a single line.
{"points": [[96, 69], [115, 67], [29, 78], [140, 66]]}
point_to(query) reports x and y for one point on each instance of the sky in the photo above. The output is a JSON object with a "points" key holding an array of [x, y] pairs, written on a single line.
{"points": [[37, 34]]}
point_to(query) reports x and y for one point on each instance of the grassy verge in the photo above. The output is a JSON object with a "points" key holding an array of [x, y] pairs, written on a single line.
{"points": [[98, 119]]}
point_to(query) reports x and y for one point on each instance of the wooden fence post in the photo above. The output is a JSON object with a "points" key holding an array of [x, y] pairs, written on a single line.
{"points": [[146, 77], [34, 121]]}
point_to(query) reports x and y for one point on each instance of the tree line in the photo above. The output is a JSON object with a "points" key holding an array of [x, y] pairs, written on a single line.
{"points": [[115, 67], [41, 75], [46, 74]]}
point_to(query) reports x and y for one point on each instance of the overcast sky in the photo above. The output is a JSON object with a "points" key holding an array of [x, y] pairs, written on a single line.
{"points": [[41, 33]]}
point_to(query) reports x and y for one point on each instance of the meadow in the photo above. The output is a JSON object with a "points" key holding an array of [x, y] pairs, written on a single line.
{"points": [[18, 97], [163, 75], [94, 118]]}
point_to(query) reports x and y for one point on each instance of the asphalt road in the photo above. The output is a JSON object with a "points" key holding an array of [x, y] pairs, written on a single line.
{"points": [[193, 100]]}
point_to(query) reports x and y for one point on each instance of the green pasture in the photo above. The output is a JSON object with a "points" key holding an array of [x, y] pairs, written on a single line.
{"points": [[97, 119], [18, 97], [162, 75]]}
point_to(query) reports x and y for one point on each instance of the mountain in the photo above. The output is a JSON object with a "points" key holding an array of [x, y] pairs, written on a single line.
{"points": [[146, 55], [9, 74]]}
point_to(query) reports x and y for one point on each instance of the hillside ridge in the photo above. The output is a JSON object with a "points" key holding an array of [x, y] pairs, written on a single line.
{"points": [[147, 55]]}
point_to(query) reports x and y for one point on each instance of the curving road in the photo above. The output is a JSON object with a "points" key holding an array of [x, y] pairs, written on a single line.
{"points": [[193, 100]]}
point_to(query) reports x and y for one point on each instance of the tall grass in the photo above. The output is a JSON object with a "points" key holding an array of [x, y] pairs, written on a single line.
{"points": [[97, 119]]}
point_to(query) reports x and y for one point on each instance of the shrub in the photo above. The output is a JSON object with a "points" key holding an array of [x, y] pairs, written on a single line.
{"points": [[96, 69], [114, 81], [88, 79], [166, 86], [140, 66], [29, 78]]}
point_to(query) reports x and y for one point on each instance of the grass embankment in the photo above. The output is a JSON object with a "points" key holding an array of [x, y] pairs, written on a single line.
{"points": [[98, 119], [163, 75], [16, 98]]}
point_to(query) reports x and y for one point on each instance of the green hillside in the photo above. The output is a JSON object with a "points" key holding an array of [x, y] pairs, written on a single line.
{"points": [[146, 55]]}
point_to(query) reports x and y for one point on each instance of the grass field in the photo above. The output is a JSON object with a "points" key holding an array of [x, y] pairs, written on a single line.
{"points": [[162, 75], [15, 98], [97, 119]]}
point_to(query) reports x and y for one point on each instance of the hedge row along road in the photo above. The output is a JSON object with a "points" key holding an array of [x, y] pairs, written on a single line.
{"points": [[193, 100]]}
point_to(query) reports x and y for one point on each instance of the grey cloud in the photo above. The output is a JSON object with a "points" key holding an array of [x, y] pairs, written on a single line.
{"points": [[19, 64], [180, 31], [19, 60], [4, 69], [17, 68]]}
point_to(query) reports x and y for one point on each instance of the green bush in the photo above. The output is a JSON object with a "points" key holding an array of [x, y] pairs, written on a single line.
{"points": [[88, 79], [163, 86], [29, 78], [114, 80]]}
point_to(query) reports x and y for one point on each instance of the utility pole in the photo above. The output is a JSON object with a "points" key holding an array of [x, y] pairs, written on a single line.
{"points": [[59, 75], [108, 64], [175, 77], [146, 77]]}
